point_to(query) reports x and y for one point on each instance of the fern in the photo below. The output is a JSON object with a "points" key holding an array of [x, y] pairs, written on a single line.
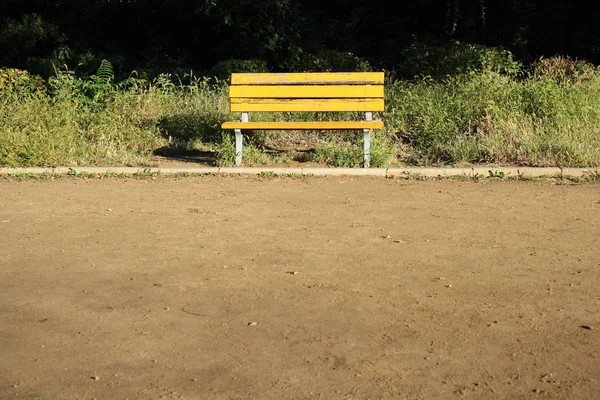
{"points": [[105, 72]]}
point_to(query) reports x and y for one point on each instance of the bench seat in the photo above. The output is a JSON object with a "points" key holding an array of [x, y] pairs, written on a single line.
{"points": [[326, 125]]}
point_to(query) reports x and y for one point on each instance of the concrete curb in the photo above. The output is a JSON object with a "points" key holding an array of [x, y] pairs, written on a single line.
{"points": [[525, 172]]}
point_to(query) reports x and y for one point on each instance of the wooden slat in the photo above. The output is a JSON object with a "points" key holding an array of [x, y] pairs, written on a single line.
{"points": [[364, 105], [304, 125], [320, 78], [314, 91]]}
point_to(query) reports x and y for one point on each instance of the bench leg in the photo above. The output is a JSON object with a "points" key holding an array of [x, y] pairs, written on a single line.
{"points": [[238, 147], [367, 141]]}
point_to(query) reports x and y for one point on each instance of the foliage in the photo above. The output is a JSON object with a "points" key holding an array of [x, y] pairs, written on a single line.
{"points": [[493, 118], [25, 38], [547, 117], [348, 154], [334, 61], [223, 69], [563, 69], [456, 58], [253, 154], [160, 36], [197, 113], [105, 74], [16, 84]]}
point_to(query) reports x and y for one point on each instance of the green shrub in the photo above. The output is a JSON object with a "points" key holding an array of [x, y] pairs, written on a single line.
{"points": [[455, 58], [223, 70], [494, 118], [351, 154], [563, 69], [252, 154], [16, 84], [334, 61], [548, 117], [197, 113]]}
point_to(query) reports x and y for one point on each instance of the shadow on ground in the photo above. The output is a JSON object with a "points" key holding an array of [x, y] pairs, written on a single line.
{"points": [[168, 155]]}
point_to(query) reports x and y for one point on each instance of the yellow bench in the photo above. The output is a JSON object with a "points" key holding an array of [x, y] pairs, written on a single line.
{"points": [[339, 91]]}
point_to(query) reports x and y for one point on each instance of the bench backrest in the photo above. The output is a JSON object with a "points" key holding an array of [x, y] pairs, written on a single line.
{"points": [[335, 91]]}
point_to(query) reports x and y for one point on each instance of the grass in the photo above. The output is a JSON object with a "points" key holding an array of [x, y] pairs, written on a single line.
{"points": [[541, 117], [492, 118], [592, 178]]}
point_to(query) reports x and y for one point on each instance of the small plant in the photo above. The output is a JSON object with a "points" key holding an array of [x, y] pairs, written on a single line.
{"points": [[476, 177], [563, 69], [498, 174], [266, 174], [16, 84], [226, 151], [339, 154], [593, 175], [146, 173]]}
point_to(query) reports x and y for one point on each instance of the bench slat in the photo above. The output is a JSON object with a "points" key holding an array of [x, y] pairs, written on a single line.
{"points": [[318, 78], [314, 91], [249, 105], [304, 125]]}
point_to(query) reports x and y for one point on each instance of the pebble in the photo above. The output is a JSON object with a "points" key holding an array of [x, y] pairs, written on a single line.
{"points": [[252, 323], [95, 378]]}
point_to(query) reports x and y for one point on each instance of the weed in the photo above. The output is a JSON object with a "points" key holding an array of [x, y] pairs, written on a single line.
{"points": [[146, 173], [267, 174], [498, 174]]}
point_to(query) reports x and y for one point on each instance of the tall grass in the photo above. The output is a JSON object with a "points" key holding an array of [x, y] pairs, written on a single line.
{"points": [[548, 115], [60, 125], [493, 118]]}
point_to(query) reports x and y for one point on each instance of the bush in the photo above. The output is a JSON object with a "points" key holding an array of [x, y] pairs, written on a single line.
{"points": [[223, 70], [334, 61], [197, 113], [455, 58], [546, 118], [348, 154], [563, 69], [16, 85], [494, 118]]}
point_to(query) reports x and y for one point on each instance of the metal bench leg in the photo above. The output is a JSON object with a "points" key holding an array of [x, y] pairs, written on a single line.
{"points": [[367, 142], [238, 141], [367, 133], [238, 147]]}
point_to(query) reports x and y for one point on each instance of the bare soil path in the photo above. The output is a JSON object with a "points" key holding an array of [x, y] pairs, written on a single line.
{"points": [[334, 288]]}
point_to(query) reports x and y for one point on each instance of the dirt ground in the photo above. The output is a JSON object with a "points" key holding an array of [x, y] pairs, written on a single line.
{"points": [[332, 288]]}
